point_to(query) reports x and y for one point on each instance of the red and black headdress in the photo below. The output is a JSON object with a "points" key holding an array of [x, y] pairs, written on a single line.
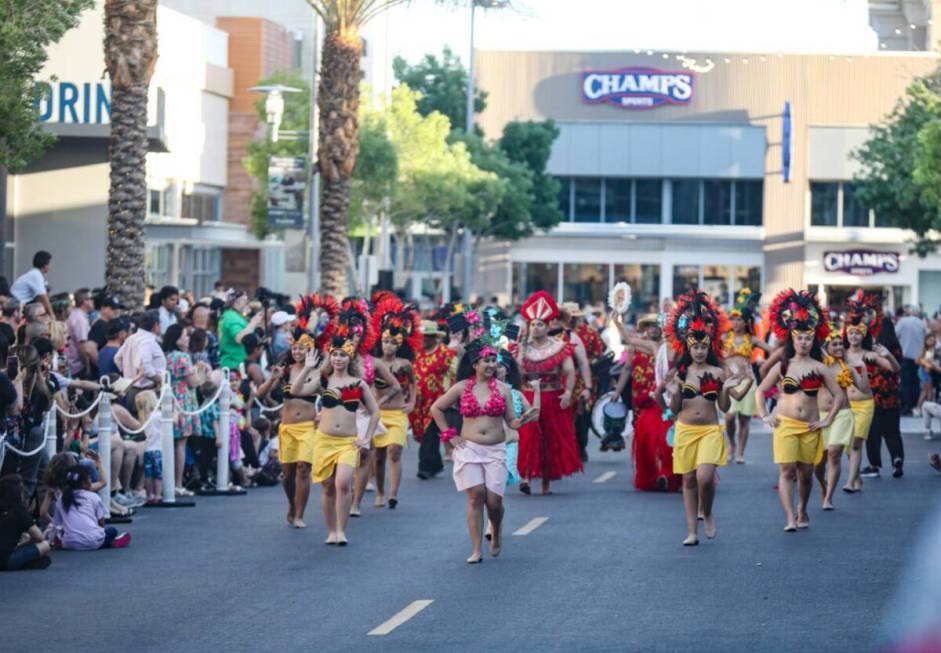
{"points": [[798, 311], [353, 322], [393, 319], [316, 320], [696, 318], [865, 313]]}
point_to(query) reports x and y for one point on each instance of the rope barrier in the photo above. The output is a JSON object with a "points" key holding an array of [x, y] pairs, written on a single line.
{"points": [[23, 454], [267, 409], [143, 426], [67, 415], [201, 409]]}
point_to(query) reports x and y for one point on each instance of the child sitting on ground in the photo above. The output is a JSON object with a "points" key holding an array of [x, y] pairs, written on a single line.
{"points": [[79, 520], [21, 542], [146, 403]]}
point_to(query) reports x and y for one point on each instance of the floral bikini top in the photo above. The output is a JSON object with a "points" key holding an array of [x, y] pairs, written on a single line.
{"points": [[495, 406], [729, 348], [845, 376], [709, 387], [348, 396]]}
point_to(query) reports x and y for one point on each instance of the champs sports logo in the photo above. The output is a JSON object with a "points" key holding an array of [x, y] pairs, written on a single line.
{"points": [[637, 88]]}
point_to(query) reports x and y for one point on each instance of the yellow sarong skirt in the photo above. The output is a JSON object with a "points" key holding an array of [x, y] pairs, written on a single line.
{"points": [[840, 433], [792, 442], [396, 423], [695, 445], [862, 413], [747, 404], [296, 442], [330, 451]]}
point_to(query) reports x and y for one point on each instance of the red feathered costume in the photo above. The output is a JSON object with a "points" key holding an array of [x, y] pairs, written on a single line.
{"points": [[653, 457], [548, 448]]}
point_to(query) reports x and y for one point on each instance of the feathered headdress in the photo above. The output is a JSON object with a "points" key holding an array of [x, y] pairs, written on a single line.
{"points": [[316, 319], [393, 319], [798, 311], [746, 305], [353, 320], [540, 306], [865, 313], [696, 318]]}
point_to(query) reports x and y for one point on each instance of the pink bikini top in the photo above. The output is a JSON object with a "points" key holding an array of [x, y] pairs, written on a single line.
{"points": [[495, 406]]}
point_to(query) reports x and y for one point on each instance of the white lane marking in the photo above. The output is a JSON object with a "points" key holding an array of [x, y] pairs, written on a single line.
{"points": [[531, 526], [410, 611], [604, 478]]}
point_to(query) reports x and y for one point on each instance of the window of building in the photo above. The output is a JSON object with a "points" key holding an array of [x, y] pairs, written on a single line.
{"points": [[749, 196], [715, 281], [823, 203], [685, 277], [200, 206], [153, 202], [854, 213], [617, 200], [531, 277], [298, 52], [648, 201], [207, 269], [157, 264], [644, 281], [717, 201], [565, 198], [585, 283], [747, 277], [686, 201], [587, 199]]}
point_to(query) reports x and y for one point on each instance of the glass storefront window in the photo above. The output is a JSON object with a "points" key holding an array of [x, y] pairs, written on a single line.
{"points": [[617, 200], [749, 196], [748, 277], [644, 281], [854, 213], [686, 201], [823, 203], [715, 281], [648, 201], [717, 202], [685, 277], [565, 198], [587, 199], [530, 277], [585, 283]]}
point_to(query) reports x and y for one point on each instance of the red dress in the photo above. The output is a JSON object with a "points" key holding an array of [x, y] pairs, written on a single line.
{"points": [[653, 457], [430, 370], [548, 448]]}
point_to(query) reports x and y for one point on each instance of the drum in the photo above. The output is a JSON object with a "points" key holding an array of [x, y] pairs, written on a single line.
{"points": [[609, 421]]}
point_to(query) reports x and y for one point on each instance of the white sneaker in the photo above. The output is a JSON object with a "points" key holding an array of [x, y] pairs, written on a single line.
{"points": [[123, 499], [139, 498], [916, 412]]}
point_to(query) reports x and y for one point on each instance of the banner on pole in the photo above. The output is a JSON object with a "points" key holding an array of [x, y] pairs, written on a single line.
{"points": [[287, 183]]}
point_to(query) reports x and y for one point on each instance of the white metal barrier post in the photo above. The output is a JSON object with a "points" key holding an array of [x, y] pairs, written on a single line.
{"points": [[49, 433], [167, 451], [222, 454], [104, 445]]}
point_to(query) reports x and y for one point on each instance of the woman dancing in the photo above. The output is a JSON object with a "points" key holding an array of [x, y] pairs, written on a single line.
{"points": [[480, 450], [738, 343], [400, 337], [548, 448], [315, 329], [698, 384], [801, 324], [863, 322], [838, 437], [338, 445], [886, 394]]}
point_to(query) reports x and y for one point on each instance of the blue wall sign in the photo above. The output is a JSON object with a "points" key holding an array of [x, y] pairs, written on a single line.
{"points": [[64, 102], [786, 142], [637, 88]]}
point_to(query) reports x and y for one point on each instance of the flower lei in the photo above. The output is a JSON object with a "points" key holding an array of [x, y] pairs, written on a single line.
{"points": [[470, 407]]}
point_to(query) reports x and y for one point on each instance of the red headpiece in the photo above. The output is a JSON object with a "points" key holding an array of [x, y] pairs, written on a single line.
{"points": [[353, 320], [798, 311], [392, 318], [316, 315], [865, 313], [696, 318], [540, 306]]}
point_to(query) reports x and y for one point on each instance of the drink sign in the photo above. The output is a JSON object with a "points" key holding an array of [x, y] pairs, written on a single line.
{"points": [[861, 262], [637, 88]]}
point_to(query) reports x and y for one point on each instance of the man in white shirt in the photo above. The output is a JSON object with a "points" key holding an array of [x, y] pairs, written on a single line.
{"points": [[169, 298], [31, 286], [141, 358]]}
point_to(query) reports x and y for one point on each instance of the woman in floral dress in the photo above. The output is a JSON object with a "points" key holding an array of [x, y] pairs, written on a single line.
{"points": [[183, 382]]}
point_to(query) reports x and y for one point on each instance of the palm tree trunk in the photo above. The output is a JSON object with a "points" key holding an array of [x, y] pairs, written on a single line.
{"points": [[338, 99], [127, 198], [130, 56]]}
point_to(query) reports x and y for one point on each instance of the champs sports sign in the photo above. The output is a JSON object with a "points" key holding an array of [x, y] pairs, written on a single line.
{"points": [[861, 262], [637, 88]]}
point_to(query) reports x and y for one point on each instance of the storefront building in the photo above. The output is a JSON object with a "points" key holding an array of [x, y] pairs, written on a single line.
{"points": [[708, 170]]}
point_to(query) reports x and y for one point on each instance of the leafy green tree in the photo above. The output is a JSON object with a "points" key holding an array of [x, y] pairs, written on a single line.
{"points": [[376, 168], [900, 172], [530, 143], [442, 84], [27, 28], [296, 118]]}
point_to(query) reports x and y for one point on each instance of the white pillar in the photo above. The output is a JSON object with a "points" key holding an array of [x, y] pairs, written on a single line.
{"points": [[104, 445], [222, 462], [167, 450], [49, 433]]}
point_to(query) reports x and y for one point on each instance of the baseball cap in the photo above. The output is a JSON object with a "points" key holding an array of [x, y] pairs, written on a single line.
{"points": [[112, 302], [280, 318]]}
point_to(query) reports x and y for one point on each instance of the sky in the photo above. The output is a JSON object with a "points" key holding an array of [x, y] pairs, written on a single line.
{"points": [[759, 26]]}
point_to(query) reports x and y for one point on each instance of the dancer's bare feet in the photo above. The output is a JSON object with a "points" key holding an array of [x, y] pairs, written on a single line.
{"points": [[380, 501], [545, 488], [691, 540], [709, 526], [291, 516], [475, 558], [299, 523]]}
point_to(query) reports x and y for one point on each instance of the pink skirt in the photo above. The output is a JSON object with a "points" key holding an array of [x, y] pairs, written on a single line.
{"points": [[480, 464]]}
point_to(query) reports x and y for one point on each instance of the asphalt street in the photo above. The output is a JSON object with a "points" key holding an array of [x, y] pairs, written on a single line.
{"points": [[604, 571]]}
